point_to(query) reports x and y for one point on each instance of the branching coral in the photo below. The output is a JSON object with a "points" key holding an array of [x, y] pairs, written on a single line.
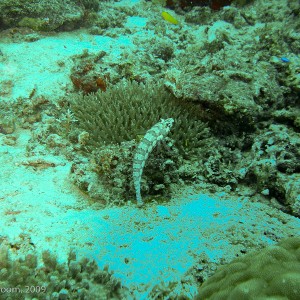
{"points": [[128, 109]]}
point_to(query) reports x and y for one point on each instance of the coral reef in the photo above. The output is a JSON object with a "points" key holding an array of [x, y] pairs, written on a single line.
{"points": [[272, 272], [112, 19], [229, 78], [107, 177], [87, 73], [213, 4], [43, 277], [128, 109], [223, 80], [123, 117], [44, 16], [275, 166], [225, 77]]}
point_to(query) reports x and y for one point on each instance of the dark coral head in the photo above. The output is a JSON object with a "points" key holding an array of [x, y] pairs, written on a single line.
{"points": [[218, 4], [214, 4]]}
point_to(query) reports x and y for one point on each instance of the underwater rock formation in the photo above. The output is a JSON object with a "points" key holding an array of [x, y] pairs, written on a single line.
{"points": [[44, 16]]}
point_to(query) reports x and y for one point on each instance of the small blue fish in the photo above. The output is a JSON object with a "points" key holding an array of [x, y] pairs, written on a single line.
{"points": [[285, 59]]}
